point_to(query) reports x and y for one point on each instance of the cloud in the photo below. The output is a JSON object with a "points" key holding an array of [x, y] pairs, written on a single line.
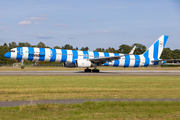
{"points": [[44, 37], [36, 23], [27, 22], [41, 18], [60, 24], [94, 18]]}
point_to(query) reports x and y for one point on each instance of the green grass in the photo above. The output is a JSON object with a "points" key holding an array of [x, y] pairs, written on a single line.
{"points": [[14, 88], [95, 110]]}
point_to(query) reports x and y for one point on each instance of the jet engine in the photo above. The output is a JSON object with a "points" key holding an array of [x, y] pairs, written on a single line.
{"points": [[69, 65], [84, 63]]}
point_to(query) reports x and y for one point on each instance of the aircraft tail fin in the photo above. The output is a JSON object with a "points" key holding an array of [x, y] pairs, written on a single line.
{"points": [[155, 51]]}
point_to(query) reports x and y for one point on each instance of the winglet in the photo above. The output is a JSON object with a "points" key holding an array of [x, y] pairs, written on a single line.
{"points": [[132, 51]]}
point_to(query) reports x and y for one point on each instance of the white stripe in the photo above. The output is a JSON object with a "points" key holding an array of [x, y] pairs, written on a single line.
{"points": [[151, 52], [101, 54], [25, 53], [14, 54], [142, 62], [80, 54], [58, 55], [161, 44], [36, 52], [122, 61], [132, 61], [69, 56], [91, 54], [47, 54]]}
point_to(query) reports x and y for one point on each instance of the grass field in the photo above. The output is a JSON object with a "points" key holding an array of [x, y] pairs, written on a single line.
{"points": [[14, 88], [99, 110], [34, 68]]}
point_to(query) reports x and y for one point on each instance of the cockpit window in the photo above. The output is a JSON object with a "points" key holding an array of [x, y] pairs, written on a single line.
{"points": [[12, 51]]}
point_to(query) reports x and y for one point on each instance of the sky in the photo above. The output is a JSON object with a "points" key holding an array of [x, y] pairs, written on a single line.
{"points": [[92, 23]]}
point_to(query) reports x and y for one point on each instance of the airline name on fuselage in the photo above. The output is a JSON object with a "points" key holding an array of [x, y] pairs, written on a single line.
{"points": [[36, 55]]}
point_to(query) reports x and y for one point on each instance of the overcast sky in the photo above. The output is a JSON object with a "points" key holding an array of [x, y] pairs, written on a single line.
{"points": [[92, 23]]}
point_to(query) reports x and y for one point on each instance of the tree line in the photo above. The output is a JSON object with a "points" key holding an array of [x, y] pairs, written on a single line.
{"points": [[125, 49]]}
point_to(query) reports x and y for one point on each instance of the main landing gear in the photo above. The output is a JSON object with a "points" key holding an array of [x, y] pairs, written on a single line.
{"points": [[93, 70]]}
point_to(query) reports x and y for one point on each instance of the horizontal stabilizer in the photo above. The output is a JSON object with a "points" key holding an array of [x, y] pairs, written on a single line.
{"points": [[132, 51], [162, 60]]}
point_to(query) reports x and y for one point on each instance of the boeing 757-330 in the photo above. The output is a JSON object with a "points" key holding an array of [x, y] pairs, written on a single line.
{"points": [[88, 59]]}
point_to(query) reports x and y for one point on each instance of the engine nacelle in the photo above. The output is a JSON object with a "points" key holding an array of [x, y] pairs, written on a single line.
{"points": [[69, 65], [83, 63]]}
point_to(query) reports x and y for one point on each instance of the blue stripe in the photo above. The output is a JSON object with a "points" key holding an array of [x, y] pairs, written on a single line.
{"points": [[96, 54], [106, 55], [165, 40], [30, 53], [53, 55], [155, 55], [116, 62], [137, 61], [147, 60], [127, 61], [75, 56], [64, 55], [85, 55], [156, 47], [42, 54], [19, 56]]}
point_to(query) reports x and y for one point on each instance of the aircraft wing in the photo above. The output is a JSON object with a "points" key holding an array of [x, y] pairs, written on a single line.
{"points": [[105, 59]]}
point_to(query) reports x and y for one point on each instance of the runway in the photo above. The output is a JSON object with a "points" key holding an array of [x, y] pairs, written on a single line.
{"points": [[101, 73], [79, 101]]}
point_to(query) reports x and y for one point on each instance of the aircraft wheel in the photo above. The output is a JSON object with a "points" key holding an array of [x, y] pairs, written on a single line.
{"points": [[95, 70], [22, 67], [87, 70]]}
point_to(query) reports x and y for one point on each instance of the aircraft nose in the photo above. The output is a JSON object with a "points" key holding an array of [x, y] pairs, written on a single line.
{"points": [[7, 55]]}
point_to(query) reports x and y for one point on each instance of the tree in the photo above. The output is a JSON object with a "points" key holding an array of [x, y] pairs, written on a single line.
{"points": [[84, 48], [57, 47], [176, 54], [99, 50], [27, 44], [166, 54], [125, 48], [5, 44], [12, 45], [67, 46], [41, 45], [140, 49]]}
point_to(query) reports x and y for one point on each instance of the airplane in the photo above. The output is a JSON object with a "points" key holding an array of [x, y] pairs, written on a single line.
{"points": [[87, 59]]}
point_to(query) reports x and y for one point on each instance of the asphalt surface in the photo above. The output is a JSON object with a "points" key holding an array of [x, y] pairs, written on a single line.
{"points": [[74, 101], [101, 73]]}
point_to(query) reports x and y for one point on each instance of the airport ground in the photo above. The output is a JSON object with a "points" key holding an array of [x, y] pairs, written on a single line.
{"points": [[21, 88]]}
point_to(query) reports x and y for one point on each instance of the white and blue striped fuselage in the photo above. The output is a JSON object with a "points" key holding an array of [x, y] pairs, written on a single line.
{"points": [[71, 56]]}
